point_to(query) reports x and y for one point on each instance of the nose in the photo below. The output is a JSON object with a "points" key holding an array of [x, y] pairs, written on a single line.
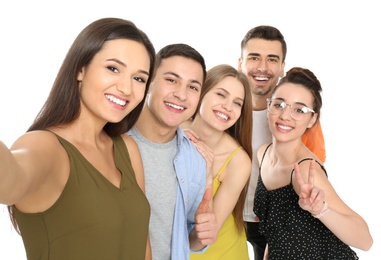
{"points": [[262, 65], [180, 93], [124, 87], [227, 106], [284, 115]]}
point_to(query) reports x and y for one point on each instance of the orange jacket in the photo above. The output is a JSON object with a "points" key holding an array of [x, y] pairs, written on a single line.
{"points": [[313, 138]]}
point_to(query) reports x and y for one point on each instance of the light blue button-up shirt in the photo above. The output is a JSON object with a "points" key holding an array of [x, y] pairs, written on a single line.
{"points": [[190, 169]]}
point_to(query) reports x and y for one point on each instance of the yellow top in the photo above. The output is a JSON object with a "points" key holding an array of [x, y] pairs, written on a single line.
{"points": [[230, 244]]}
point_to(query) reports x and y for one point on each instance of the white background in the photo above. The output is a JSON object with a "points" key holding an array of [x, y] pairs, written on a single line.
{"points": [[339, 42]]}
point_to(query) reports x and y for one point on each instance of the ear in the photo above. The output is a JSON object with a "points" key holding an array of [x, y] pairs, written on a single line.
{"points": [[240, 64], [282, 70], [81, 74], [312, 120]]}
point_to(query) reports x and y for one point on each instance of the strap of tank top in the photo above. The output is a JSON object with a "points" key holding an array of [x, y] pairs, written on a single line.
{"points": [[228, 160], [292, 172], [263, 156]]}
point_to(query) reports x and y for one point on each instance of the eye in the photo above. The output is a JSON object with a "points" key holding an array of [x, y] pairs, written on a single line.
{"points": [[273, 60], [140, 79], [279, 105], [195, 88], [170, 80], [113, 69], [220, 94], [253, 58], [301, 109], [238, 103]]}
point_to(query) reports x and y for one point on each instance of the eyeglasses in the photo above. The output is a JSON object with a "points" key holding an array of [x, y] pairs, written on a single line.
{"points": [[297, 111]]}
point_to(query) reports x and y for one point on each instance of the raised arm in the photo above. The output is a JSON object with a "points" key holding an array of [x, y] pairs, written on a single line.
{"points": [[319, 198], [26, 168]]}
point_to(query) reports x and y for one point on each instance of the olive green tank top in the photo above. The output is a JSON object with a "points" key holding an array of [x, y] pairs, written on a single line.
{"points": [[92, 219]]}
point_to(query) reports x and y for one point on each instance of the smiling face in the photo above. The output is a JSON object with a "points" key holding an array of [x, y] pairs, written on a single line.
{"points": [[113, 84], [221, 107], [282, 125], [174, 92], [261, 62]]}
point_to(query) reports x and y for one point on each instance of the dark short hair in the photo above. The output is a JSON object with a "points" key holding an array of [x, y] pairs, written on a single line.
{"points": [[183, 50], [265, 32]]}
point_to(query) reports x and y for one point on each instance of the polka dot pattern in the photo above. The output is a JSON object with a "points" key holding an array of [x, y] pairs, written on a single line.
{"points": [[291, 232]]}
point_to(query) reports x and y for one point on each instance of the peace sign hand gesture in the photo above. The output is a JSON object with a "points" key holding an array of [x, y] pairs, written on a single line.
{"points": [[311, 198]]}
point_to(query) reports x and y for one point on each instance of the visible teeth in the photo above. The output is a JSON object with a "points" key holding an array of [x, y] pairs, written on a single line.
{"points": [[222, 116], [261, 78], [175, 106], [284, 127], [116, 100]]}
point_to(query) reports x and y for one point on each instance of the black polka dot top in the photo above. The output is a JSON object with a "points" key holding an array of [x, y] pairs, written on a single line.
{"points": [[290, 231]]}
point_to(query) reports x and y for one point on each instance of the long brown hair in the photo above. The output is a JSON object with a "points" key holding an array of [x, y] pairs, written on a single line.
{"points": [[63, 103]]}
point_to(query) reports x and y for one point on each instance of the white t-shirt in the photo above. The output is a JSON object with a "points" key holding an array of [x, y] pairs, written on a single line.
{"points": [[261, 135]]}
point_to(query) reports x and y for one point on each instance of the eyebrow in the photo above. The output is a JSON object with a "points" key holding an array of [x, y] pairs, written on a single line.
{"points": [[178, 76], [125, 65], [227, 92], [298, 103], [270, 55]]}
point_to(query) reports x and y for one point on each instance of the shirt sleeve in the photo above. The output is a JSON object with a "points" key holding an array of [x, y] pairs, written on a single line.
{"points": [[314, 140]]}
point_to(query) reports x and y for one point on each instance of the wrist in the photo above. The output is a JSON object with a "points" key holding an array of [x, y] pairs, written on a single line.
{"points": [[323, 211]]}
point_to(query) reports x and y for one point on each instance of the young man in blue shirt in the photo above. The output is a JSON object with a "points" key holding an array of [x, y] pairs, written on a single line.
{"points": [[175, 171]]}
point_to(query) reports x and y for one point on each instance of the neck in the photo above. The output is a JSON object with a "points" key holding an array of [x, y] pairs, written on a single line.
{"points": [[259, 102], [155, 130], [286, 152], [210, 136]]}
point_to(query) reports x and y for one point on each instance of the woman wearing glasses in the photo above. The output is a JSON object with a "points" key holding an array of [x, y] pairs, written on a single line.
{"points": [[301, 215]]}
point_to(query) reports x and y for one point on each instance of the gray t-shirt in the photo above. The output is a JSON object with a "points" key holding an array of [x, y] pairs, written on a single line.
{"points": [[161, 187]]}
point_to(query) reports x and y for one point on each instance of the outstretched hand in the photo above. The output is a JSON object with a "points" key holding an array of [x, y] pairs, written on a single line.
{"points": [[206, 222], [311, 198]]}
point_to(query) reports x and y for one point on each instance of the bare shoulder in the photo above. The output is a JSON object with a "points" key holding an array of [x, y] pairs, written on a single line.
{"points": [[41, 142], [135, 157], [242, 156], [130, 142], [319, 173], [242, 161], [132, 147], [261, 151], [39, 154]]}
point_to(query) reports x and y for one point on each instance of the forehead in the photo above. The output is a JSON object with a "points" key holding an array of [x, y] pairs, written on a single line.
{"points": [[263, 47], [185, 68], [294, 93], [127, 51], [231, 85]]}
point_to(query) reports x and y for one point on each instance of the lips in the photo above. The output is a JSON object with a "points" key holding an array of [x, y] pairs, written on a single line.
{"points": [[221, 115], [284, 127], [174, 106], [116, 100], [261, 78]]}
